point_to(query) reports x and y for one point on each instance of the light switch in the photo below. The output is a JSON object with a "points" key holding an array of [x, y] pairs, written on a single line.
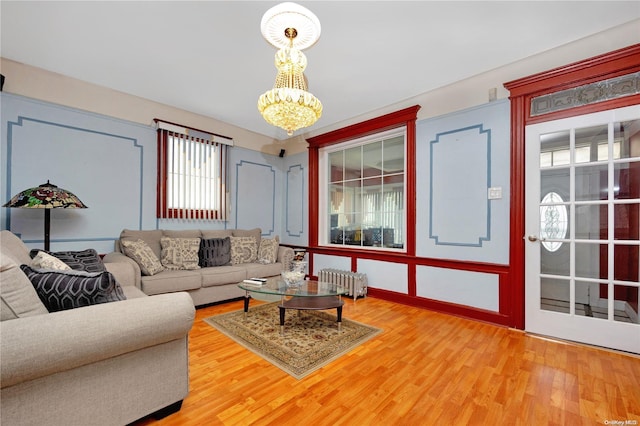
{"points": [[495, 193]]}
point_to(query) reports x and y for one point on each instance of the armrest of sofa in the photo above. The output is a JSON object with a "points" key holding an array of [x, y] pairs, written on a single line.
{"points": [[42, 345], [115, 260], [285, 255], [124, 273]]}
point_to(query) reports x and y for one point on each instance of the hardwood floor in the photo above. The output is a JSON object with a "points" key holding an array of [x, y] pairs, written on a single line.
{"points": [[426, 368]]}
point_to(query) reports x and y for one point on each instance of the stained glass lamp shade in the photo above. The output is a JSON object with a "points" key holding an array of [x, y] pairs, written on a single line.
{"points": [[46, 196]]}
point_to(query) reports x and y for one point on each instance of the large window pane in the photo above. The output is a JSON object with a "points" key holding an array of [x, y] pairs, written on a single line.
{"points": [[554, 295], [366, 194], [629, 296], [353, 163], [554, 149], [587, 141], [555, 263], [625, 135], [625, 263], [626, 221], [394, 155], [555, 180], [372, 159], [592, 222], [626, 180], [336, 166], [591, 183], [591, 260]]}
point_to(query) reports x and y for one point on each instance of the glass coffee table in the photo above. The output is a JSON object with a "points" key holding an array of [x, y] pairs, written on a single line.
{"points": [[310, 295]]}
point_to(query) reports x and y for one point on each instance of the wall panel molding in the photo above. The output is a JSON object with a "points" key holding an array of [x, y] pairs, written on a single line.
{"points": [[255, 196], [294, 209], [458, 183]]}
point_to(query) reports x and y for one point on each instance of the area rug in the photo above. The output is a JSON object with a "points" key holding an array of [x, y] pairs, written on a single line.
{"points": [[311, 338]]}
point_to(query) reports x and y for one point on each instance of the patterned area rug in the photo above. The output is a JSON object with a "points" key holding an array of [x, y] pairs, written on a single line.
{"points": [[311, 338]]}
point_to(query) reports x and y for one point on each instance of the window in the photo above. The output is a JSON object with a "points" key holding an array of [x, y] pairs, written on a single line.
{"points": [[553, 221], [365, 184], [192, 173], [359, 178]]}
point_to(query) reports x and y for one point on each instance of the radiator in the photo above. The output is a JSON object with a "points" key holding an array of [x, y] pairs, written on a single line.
{"points": [[354, 282]]}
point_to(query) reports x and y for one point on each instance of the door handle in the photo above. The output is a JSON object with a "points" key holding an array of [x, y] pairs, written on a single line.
{"points": [[532, 238]]}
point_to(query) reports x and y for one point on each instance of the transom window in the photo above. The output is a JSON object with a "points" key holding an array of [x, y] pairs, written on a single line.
{"points": [[365, 198]]}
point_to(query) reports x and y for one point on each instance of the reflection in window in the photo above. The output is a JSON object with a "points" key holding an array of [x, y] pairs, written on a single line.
{"points": [[366, 192], [553, 221]]}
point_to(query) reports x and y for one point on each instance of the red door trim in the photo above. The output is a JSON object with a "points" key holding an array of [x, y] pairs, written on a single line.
{"points": [[602, 67]]}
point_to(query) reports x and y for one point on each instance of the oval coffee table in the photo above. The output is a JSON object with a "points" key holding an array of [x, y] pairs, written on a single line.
{"points": [[310, 295]]}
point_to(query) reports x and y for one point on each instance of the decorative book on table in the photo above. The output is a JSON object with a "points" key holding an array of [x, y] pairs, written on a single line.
{"points": [[255, 281]]}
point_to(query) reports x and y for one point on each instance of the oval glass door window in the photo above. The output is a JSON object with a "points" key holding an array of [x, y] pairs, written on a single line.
{"points": [[553, 221]]}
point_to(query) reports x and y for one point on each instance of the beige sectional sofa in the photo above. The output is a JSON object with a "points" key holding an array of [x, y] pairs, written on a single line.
{"points": [[104, 364], [204, 284]]}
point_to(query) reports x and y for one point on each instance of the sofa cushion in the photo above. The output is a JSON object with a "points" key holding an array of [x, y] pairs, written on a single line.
{"points": [[215, 252], [18, 297], [151, 237], [256, 233], [262, 270], [42, 260], [268, 251], [182, 233], [84, 260], [243, 250], [223, 275], [62, 290], [180, 253], [169, 281], [140, 251], [216, 233]]}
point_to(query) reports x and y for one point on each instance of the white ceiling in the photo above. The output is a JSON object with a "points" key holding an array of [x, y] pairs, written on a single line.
{"points": [[209, 57]]}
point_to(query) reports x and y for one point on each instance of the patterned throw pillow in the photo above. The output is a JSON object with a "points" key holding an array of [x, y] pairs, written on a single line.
{"points": [[243, 250], [215, 252], [139, 251], [61, 290], [180, 253], [268, 251], [84, 260], [46, 261]]}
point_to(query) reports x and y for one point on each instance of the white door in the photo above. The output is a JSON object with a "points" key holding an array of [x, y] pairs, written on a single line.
{"points": [[582, 221]]}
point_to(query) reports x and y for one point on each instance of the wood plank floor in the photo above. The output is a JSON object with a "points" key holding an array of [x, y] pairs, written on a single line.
{"points": [[426, 368]]}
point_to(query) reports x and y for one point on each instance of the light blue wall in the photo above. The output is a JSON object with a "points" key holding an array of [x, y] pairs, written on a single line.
{"points": [[295, 212], [459, 157], [110, 164]]}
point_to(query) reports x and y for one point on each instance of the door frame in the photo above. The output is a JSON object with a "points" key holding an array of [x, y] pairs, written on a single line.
{"points": [[522, 92]]}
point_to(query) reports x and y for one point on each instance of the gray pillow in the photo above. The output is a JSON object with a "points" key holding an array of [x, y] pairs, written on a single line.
{"points": [[61, 290], [215, 252]]}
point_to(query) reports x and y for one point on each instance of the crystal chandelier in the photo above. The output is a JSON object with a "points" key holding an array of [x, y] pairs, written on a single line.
{"points": [[291, 28]]}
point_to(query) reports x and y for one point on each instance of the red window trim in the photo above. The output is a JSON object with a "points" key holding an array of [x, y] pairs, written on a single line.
{"points": [[404, 118], [162, 211]]}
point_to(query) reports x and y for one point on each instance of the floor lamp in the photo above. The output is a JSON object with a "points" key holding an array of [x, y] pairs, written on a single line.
{"points": [[46, 196]]}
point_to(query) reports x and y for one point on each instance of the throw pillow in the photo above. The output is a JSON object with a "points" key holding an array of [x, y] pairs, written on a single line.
{"points": [[243, 250], [180, 253], [62, 290], [268, 251], [84, 260], [46, 261], [139, 251], [215, 252]]}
